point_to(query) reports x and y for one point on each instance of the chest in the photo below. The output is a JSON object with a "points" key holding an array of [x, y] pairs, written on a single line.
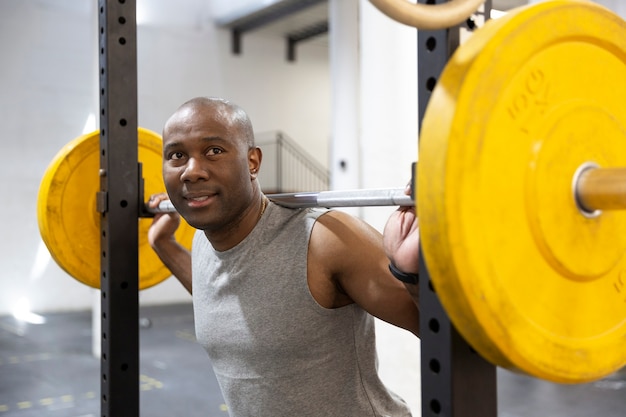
{"points": [[266, 325]]}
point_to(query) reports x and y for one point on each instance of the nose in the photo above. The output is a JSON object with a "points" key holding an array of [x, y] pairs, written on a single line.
{"points": [[194, 171]]}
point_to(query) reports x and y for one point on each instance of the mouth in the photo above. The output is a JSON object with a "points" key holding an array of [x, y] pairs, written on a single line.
{"points": [[199, 200]]}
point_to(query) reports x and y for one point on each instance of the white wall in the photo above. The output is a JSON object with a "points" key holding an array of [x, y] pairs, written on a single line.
{"points": [[48, 81], [388, 101], [45, 79]]}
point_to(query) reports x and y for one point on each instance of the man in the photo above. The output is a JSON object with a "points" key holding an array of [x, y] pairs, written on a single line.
{"points": [[283, 298]]}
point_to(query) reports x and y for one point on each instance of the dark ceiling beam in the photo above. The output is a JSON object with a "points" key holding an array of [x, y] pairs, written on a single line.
{"points": [[304, 34], [262, 17]]}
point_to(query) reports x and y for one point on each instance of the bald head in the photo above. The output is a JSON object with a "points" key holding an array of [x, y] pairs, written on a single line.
{"points": [[223, 111]]}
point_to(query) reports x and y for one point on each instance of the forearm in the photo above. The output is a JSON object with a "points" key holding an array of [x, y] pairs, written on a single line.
{"points": [[403, 310], [177, 259], [409, 279], [413, 289]]}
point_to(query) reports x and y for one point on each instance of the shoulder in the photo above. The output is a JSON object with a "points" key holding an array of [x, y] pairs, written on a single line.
{"points": [[344, 226], [280, 217], [337, 234]]}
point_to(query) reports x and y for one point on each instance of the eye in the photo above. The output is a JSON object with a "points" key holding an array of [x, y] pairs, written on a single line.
{"points": [[215, 151], [176, 155]]}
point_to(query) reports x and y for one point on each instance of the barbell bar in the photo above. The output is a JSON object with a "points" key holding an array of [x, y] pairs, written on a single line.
{"points": [[594, 189], [338, 198], [519, 190], [597, 189]]}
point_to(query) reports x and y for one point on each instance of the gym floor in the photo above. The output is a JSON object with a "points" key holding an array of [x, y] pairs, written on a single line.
{"points": [[49, 370]]}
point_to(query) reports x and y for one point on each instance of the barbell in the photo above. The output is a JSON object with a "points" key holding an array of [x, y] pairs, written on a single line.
{"points": [[520, 193], [374, 197]]}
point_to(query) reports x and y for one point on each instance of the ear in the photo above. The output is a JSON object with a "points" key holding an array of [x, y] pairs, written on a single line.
{"points": [[255, 156]]}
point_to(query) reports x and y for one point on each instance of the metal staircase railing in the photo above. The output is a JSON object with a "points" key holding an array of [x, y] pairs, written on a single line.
{"points": [[287, 167]]}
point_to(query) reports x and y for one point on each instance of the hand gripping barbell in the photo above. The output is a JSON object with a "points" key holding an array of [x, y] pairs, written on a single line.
{"points": [[520, 192]]}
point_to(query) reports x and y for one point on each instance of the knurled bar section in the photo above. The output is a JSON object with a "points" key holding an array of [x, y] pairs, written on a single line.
{"points": [[119, 183], [455, 381]]}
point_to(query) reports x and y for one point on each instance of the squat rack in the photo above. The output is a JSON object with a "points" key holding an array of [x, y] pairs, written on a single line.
{"points": [[118, 203], [456, 381]]}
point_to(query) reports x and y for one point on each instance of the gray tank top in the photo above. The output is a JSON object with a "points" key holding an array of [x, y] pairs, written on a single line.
{"points": [[275, 351]]}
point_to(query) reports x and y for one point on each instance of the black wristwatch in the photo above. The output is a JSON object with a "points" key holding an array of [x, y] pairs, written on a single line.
{"points": [[403, 276]]}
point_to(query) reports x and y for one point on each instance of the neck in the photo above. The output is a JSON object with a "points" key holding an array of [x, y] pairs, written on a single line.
{"points": [[231, 235]]}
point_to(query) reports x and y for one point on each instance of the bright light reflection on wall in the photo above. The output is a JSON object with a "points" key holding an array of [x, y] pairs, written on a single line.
{"points": [[90, 124], [497, 13], [21, 312], [42, 259], [141, 13]]}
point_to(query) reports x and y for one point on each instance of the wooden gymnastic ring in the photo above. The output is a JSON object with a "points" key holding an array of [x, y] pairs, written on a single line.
{"points": [[428, 17]]}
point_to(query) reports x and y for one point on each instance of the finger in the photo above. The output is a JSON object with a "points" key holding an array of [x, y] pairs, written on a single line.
{"points": [[155, 199]]}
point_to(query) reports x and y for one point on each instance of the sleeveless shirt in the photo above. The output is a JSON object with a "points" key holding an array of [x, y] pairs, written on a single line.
{"points": [[275, 351]]}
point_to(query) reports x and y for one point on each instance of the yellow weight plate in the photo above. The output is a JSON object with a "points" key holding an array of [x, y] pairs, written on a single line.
{"points": [[69, 223], [529, 281]]}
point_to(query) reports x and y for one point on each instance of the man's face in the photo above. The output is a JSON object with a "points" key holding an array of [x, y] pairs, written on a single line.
{"points": [[206, 168]]}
